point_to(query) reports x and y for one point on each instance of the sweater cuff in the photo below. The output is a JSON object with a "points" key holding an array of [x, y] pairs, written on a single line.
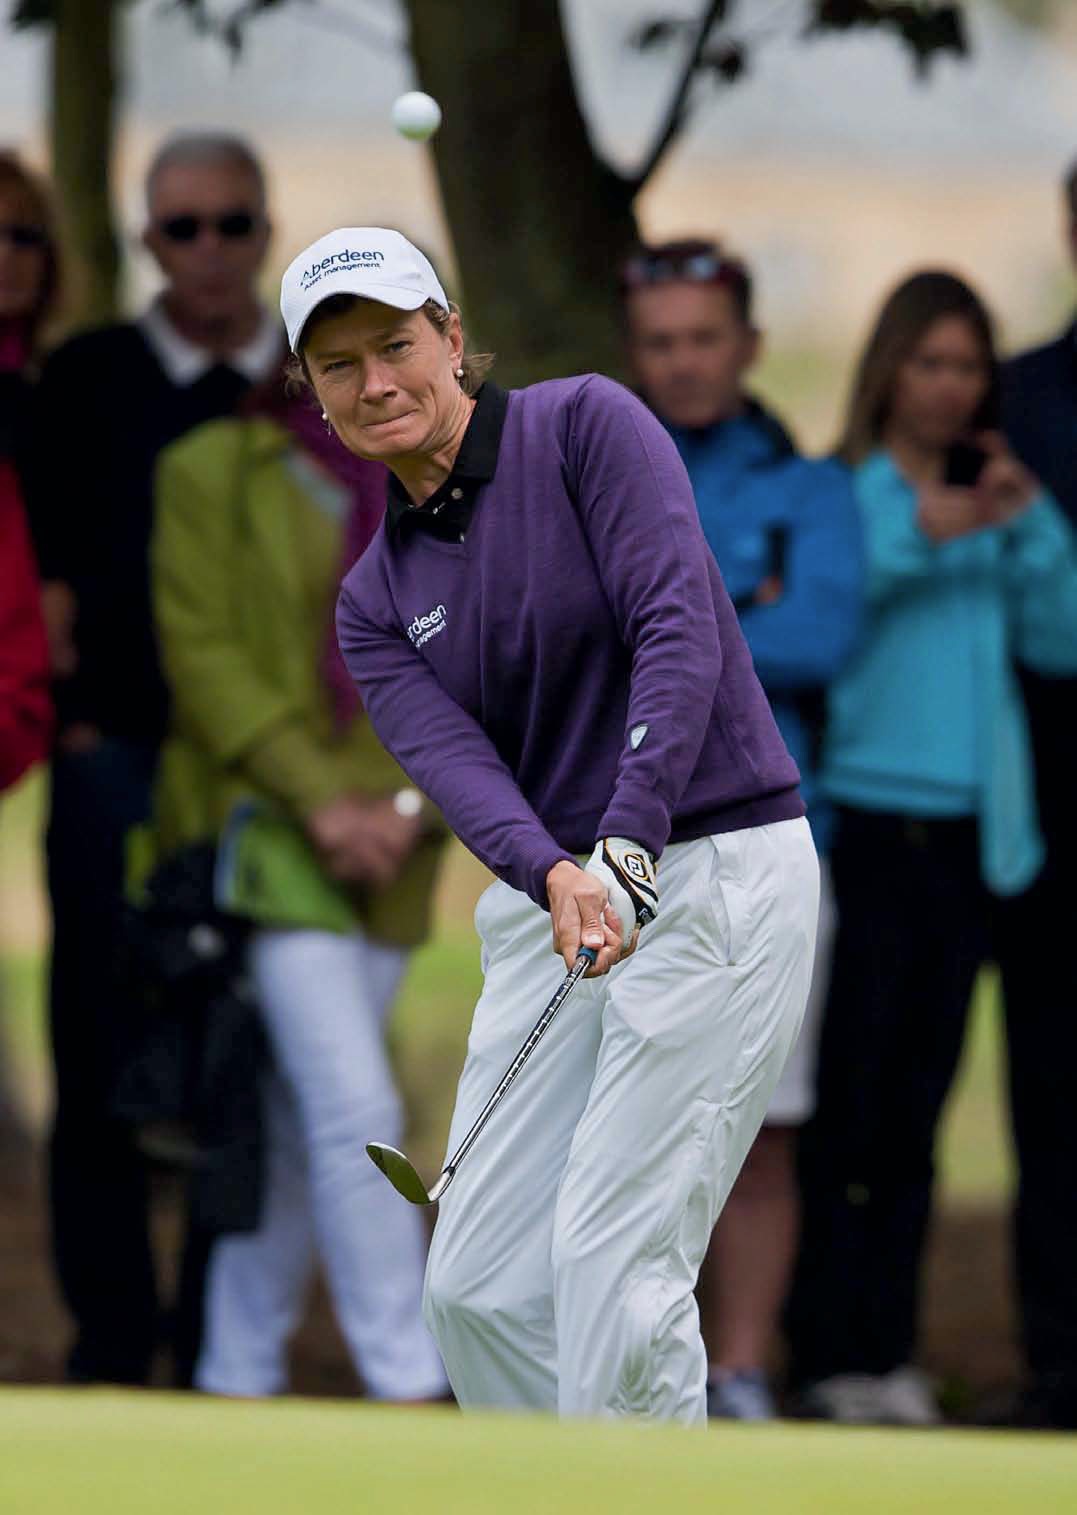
{"points": [[538, 866], [639, 813]]}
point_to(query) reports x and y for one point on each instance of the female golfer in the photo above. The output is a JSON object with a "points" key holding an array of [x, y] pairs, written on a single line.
{"points": [[542, 639]]}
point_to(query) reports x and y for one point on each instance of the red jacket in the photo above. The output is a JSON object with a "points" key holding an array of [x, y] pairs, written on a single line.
{"points": [[25, 706]]}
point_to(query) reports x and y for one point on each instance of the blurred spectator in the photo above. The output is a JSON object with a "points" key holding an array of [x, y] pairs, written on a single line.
{"points": [[1039, 968], [29, 286], [25, 706], [927, 757], [786, 534], [1039, 393], [29, 278], [326, 848], [108, 401]]}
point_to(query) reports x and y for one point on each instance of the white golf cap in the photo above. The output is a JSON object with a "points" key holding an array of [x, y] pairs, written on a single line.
{"points": [[370, 261]]}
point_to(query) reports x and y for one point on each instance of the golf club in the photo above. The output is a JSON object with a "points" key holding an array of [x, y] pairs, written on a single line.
{"points": [[399, 1170]]}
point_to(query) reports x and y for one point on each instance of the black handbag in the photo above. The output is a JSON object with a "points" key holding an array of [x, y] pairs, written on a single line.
{"points": [[189, 1074]]}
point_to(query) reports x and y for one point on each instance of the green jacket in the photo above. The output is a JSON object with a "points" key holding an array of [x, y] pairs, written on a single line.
{"points": [[245, 561]]}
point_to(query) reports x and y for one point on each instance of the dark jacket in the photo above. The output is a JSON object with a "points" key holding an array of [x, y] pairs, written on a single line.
{"points": [[89, 494], [1039, 392]]}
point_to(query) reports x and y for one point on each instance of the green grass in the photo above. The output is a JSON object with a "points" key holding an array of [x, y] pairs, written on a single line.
{"points": [[428, 1036], [91, 1453], [976, 1160], [22, 1023]]}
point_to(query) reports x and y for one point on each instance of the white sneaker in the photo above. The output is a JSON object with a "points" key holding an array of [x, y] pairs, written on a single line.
{"points": [[852, 1399], [907, 1398], [902, 1397]]}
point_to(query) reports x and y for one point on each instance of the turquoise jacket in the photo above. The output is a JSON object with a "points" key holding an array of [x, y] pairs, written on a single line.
{"points": [[927, 719]]}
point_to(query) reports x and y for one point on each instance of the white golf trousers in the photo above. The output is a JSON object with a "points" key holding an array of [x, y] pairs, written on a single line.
{"points": [[567, 1248], [324, 998]]}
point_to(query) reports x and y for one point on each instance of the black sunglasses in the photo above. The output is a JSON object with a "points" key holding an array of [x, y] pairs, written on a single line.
{"points": [[20, 234], [233, 226]]}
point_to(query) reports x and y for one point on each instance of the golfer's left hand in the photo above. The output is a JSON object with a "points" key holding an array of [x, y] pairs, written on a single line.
{"points": [[628, 872], [582, 916]]}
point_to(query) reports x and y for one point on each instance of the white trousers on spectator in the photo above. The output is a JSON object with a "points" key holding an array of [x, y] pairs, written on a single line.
{"points": [[324, 998], [565, 1254]]}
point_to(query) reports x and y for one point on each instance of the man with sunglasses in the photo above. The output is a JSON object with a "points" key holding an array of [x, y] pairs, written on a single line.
{"points": [[108, 402], [786, 536]]}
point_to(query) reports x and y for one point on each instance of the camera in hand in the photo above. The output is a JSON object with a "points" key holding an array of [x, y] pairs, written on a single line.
{"points": [[964, 465]]}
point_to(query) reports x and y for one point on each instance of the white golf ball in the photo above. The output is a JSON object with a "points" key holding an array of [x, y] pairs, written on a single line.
{"points": [[416, 115]]}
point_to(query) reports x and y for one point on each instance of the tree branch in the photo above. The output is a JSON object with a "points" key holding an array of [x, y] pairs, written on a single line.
{"points": [[675, 115]]}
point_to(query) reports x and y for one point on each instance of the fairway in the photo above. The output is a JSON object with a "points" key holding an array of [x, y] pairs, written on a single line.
{"points": [[86, 1452]]}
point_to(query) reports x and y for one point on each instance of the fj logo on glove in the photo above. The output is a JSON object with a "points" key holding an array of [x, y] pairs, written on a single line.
{"points": [[636, 865], [628, 871]]}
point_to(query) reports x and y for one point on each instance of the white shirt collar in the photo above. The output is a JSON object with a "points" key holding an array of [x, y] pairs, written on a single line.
{"points": [[185, 363]]}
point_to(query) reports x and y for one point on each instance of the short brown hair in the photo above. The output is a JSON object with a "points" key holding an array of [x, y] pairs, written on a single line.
{"points": [[907, 313], [476, 365], [17, 179]]}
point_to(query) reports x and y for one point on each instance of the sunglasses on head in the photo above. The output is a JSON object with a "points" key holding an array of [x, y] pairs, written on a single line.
{"points": [[700, 266], [233, 226], [22, 235]]}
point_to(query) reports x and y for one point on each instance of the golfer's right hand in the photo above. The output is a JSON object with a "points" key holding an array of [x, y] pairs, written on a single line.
{"points": [[581, 916]]}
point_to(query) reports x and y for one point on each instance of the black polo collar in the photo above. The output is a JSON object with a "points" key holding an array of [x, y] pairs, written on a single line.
{"points": [[447, 513]]}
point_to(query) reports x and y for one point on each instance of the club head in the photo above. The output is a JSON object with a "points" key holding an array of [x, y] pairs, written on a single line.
{"points": [[399, 1171]]}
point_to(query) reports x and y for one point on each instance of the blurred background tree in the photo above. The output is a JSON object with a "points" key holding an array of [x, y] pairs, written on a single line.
{"points": [[83, 98], [537, 216], [1032, 12]]}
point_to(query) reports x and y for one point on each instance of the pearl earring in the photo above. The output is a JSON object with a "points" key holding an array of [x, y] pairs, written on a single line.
{"points": [[328, 425], [459, 373]]}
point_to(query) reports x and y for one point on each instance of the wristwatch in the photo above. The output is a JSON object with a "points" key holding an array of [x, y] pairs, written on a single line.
{"points": [[407, 803]]}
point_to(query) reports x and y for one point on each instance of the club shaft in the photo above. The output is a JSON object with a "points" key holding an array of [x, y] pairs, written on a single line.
{"points": [[535, 1035]]}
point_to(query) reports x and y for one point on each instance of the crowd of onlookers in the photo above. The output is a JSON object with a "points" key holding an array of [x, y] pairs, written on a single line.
{"points": [[238, 872]]}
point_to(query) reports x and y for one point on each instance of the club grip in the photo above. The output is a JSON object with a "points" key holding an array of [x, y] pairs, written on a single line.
{"points": [[590, 953]]}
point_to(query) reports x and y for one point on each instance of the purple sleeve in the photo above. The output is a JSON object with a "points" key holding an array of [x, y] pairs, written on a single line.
{"points": [[446, 753], [640, 517]]}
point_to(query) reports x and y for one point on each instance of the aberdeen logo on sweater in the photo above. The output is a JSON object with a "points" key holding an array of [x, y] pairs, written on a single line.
{"points": [[426, 626]]}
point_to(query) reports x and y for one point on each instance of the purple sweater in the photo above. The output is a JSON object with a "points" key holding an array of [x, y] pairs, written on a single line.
{"points": [[573, 669]]}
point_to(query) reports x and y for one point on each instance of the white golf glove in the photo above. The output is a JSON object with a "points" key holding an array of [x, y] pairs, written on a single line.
{"points": [[628, 872]]}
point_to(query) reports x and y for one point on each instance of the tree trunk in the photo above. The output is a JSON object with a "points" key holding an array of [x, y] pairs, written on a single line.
{"points": [[538, 222], [83, 91]]}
